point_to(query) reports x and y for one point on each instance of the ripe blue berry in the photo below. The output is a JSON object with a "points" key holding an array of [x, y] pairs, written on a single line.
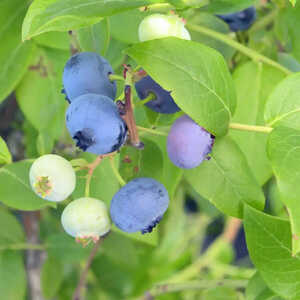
{"points": [[139, 205], [159, 26], [240, 20], [188, 144], [94, 122], [86, 219], [163, 102], [52, 177], [88, 72]]}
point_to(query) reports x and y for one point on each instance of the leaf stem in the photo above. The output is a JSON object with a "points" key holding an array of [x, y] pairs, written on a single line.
{"points": [[149, 98], [255, 56], [24, 246], [113, 77], [152, 131], [116, 171], [160, 289], [254, 128], [264, 21], [91, 167]]}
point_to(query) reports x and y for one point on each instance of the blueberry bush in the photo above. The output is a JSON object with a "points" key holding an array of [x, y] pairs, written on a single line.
{"points": [[150, 149]]}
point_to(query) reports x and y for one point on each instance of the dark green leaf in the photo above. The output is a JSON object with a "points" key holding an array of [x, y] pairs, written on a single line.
{"points": [[15, 190], [269, 244], [196, 75], [12, 276], [51, 277], [64, 15], [226, 179], [227, 6]]}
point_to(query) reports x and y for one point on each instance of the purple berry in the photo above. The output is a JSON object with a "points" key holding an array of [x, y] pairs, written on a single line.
{"points": [[188, 144], [85, 73], [163, 102], [241, 20], [94, 122], [139, 205]]}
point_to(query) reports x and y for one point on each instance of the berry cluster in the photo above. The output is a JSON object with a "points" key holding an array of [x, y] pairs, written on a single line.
{"points": [[99, 126]]}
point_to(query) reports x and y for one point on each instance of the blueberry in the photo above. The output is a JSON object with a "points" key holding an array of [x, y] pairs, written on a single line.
{"points": [[241, 20], [95, 124], [139, 205], [159, 26], [188, 144], [163, 102], [86, 218], [88, 72], [52, 177]]}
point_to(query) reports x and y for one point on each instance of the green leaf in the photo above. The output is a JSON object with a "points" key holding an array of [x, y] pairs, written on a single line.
{"points": [[253, 83], [233, 183], [283, 105], [51, 277], [54, 39], [44, 143], [212, 22], [64, 248], [227, 6], [15, 189], [220, 293], [196, 75], [95, 38], [258, 290], [284, 153], [39, 93], [12, 276], [5, 156], [293, 2], [269, 244], [11, 230], [141, 163], [14, 55], [64, 15]]}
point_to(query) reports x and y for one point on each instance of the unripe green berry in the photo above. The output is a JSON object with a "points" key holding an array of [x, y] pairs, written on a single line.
{"points": [[86, 219], [159, 26], [52, 177]]}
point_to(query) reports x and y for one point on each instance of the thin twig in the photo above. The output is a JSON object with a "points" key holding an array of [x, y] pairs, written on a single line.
{"points": [[82, 281]]}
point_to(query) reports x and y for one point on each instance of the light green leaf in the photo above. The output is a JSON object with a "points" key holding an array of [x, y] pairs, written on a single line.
{"points": [[11, 231], [283, 105], [64, 15], [14, 55], [293, 2], [39, 93], [269, 244], [52, 276], [227, 6], [196, 75], [54, 39], [258, 290], [5, 156], [95, 38], [226, 179], [284, 153], [12, 276], [44, 143], [253, 83], [15, 189]]}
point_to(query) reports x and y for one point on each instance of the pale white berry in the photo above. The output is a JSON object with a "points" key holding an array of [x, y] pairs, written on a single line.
{"points": [[86, 219], [52, 177], [159, 26]]}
